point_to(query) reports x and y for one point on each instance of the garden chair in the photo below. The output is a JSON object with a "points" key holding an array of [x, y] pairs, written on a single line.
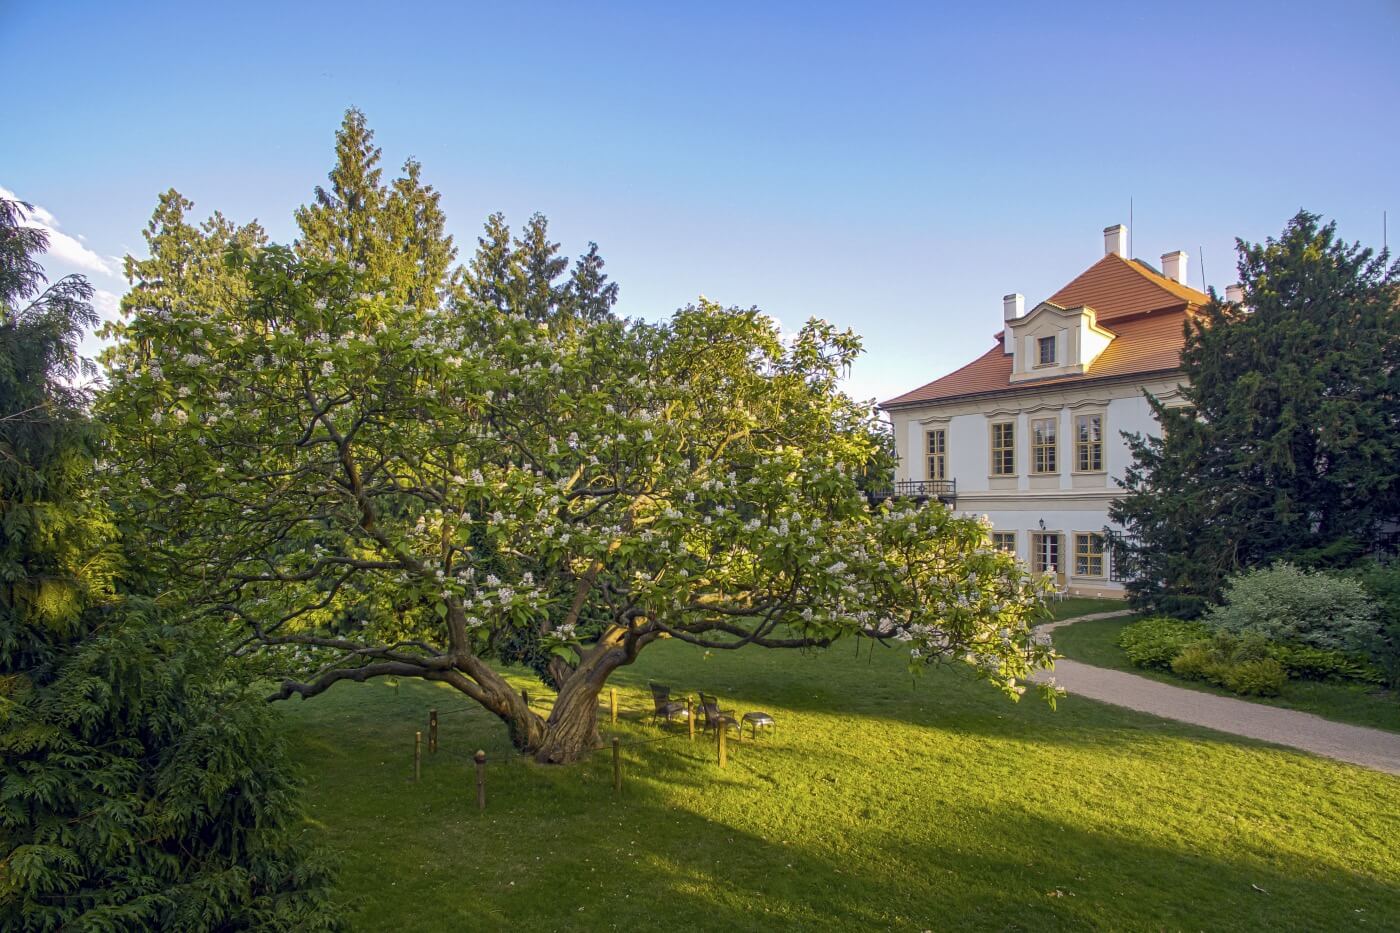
{"points": [[664, 706], [716, 718]]}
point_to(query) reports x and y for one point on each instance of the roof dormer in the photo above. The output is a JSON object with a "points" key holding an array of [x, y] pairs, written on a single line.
{"points": [[1054, 341]]}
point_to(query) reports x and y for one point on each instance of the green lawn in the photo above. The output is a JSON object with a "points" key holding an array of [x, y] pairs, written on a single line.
{"points": [[1095, 642], [880, 804], [1072, 606]]}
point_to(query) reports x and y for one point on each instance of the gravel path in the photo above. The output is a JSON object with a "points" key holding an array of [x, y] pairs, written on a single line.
{"points": [[1370, 748]]}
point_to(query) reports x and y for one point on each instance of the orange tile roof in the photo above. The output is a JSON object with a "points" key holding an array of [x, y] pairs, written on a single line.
{"points": [[1145, 311], [1115, 286]]}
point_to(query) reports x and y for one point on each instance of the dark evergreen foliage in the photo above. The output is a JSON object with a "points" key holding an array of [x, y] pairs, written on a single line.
{"points": [[142, 786], [522, 276], [1290, 445]]}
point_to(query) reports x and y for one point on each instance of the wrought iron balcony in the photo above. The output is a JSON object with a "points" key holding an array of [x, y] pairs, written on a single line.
{"points": [[920, 490]]}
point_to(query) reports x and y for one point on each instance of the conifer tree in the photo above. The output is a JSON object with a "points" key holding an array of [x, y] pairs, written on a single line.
{"points": [[142, 787], [185, 263], [589, 296], [1289, 448], [494, 272], [395, 232], [539, 268]]}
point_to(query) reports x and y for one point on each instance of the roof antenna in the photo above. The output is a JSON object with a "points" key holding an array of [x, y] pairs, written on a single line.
{"points": [[1204, 286], [1130, 226]]}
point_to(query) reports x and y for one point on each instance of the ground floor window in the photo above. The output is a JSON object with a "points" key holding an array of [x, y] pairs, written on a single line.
{"points": [[1004, 541], [1088, 555]]}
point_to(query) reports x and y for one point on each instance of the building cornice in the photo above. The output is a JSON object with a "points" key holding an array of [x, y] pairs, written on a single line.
{"points": [[1032, 386]]}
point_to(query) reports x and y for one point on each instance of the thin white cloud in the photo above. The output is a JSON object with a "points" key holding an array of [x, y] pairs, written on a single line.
{"points": [[62, 247], [107, 304]]}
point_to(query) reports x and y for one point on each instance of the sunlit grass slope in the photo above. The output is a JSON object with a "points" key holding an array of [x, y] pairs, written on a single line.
{"points": [[881, 803]]}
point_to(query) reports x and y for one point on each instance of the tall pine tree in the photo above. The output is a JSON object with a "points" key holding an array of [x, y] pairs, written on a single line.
{"points": [[589, 296], [1290, 445], [396, 232], [523, 276]]}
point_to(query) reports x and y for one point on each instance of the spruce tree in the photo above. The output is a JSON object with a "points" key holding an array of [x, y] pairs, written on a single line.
{"points": [[1289, 448], [494, 273], [395, 233], [589, 296], [539, 268]]}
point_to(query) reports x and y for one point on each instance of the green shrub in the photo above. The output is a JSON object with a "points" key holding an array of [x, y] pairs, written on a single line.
{"points": [[1231, 663], [1155, 642], [1306, 663], [1264, 677], [1197, 662], [1285, 604]]}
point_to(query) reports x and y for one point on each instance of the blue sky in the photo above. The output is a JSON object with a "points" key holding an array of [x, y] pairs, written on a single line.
{"points": [[895, 168]]}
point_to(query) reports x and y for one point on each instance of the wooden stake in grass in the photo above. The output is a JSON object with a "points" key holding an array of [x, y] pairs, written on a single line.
{"points": [[617, 765], [432, 730], [723, 752], [612, 703], [690, 717], [417, 755], [480, 759]]}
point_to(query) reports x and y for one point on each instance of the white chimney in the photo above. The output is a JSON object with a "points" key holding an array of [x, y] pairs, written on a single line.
{"points": [[1234, 294], [1174, 266], [1115, 241], [1012, 307]]}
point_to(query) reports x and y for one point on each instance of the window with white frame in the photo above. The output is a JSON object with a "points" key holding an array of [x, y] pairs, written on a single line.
{"points": [[1044, 458], [937, 451], [1004, 448], [1088, 431]]}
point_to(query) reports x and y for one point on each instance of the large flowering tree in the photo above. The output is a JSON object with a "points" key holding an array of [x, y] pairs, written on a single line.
{"points": [[378, 466], [375, 489]]}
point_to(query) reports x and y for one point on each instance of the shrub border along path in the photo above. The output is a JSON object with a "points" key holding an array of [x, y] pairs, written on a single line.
{"points": [[1370, 748]]}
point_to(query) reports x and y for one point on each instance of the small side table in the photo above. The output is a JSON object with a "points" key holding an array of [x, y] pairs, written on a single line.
{"points": [[756, 721]]}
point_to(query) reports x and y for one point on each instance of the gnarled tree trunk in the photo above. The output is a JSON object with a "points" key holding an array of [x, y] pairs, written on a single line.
{"points": [[571, 731]]}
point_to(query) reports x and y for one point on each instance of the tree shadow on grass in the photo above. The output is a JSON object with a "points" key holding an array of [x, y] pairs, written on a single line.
{"points": [[688, 847]]}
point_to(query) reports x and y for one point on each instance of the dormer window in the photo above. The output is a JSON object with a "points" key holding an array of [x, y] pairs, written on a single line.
{"points": [[1054, 341]]}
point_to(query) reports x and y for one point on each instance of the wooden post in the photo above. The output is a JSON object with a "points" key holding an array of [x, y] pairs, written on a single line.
{"points": [[612, 703], [723, 752], [432, 730], [480, 759], [690, 717], [617, 765], [417, 755]]}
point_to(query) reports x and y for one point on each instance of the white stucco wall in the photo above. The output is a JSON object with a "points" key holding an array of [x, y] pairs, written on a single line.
{"points": [[1067, 503]]}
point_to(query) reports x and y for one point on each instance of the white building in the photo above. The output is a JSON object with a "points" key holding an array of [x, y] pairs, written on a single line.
{"points": [[1030, 433]]}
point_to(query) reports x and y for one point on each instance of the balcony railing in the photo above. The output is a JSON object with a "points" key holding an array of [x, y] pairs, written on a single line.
{"points": [[920, 490]]}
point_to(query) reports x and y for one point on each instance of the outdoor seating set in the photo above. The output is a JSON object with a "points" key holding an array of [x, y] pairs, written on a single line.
{"points": [[712, 717]]}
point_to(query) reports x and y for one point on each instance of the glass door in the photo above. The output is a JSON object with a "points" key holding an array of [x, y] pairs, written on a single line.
{"points": [[1045, 555]]}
